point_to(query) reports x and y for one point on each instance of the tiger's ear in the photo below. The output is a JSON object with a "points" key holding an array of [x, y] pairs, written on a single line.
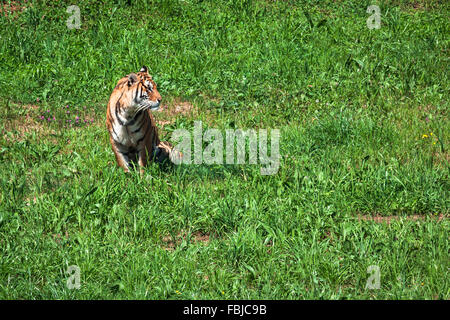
{"points": [[132, 79], [144, 69]]}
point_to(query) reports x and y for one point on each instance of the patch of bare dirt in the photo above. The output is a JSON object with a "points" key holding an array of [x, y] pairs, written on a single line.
{"points": [[176, 107], [417, 6], [18, 128], [10, 8], [58, 237], [171, 110], [422, 5], [389, 219], [162, 123], [170, 243], [441, 158]]}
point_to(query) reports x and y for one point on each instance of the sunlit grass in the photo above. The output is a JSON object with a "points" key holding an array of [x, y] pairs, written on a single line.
{"points": [[363, 116]]}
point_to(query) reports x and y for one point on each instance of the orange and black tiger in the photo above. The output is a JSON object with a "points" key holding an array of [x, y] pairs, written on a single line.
{"points": [[132, 129]]}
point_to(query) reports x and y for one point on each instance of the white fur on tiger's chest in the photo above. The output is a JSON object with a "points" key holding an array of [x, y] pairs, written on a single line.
{"points": [[125, 136]]}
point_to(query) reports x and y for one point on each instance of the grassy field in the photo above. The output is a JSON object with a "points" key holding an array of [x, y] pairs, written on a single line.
{"points": [[364, 173]]}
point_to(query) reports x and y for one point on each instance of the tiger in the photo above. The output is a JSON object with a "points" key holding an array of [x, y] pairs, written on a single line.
{"points": [[133, 133]]}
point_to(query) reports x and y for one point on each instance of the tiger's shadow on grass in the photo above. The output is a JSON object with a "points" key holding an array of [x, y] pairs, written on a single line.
{"points": [[202, 172]]}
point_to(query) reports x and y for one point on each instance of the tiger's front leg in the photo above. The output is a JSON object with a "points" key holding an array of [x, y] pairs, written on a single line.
{"points": [[142, 160], [122, 159]]}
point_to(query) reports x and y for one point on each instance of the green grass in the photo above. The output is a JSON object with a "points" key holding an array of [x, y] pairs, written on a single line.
{"points": [[352, 105]]}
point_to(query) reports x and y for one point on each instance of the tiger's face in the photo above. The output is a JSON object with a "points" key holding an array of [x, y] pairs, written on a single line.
{"points": [[143, 92]]}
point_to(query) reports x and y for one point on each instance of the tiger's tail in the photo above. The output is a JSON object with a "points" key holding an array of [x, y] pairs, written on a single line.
{"points": [[164, 151]]}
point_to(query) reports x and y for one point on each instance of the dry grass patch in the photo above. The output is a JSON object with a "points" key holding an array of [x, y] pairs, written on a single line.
{"points": [[389, 219], [10, 8], [173, 109], [18, 129], [176, 107], [170, 243]]}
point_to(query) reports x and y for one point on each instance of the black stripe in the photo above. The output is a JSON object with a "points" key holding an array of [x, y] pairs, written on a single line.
{"points": [[138, 129], [115, 133], [118, 107], [139, 125], [132, 121], [145, 134], [135, 96], [117, 115]]}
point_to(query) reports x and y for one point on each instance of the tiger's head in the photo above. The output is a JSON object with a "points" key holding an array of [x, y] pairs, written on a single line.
{"points": [[141, 92]]}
